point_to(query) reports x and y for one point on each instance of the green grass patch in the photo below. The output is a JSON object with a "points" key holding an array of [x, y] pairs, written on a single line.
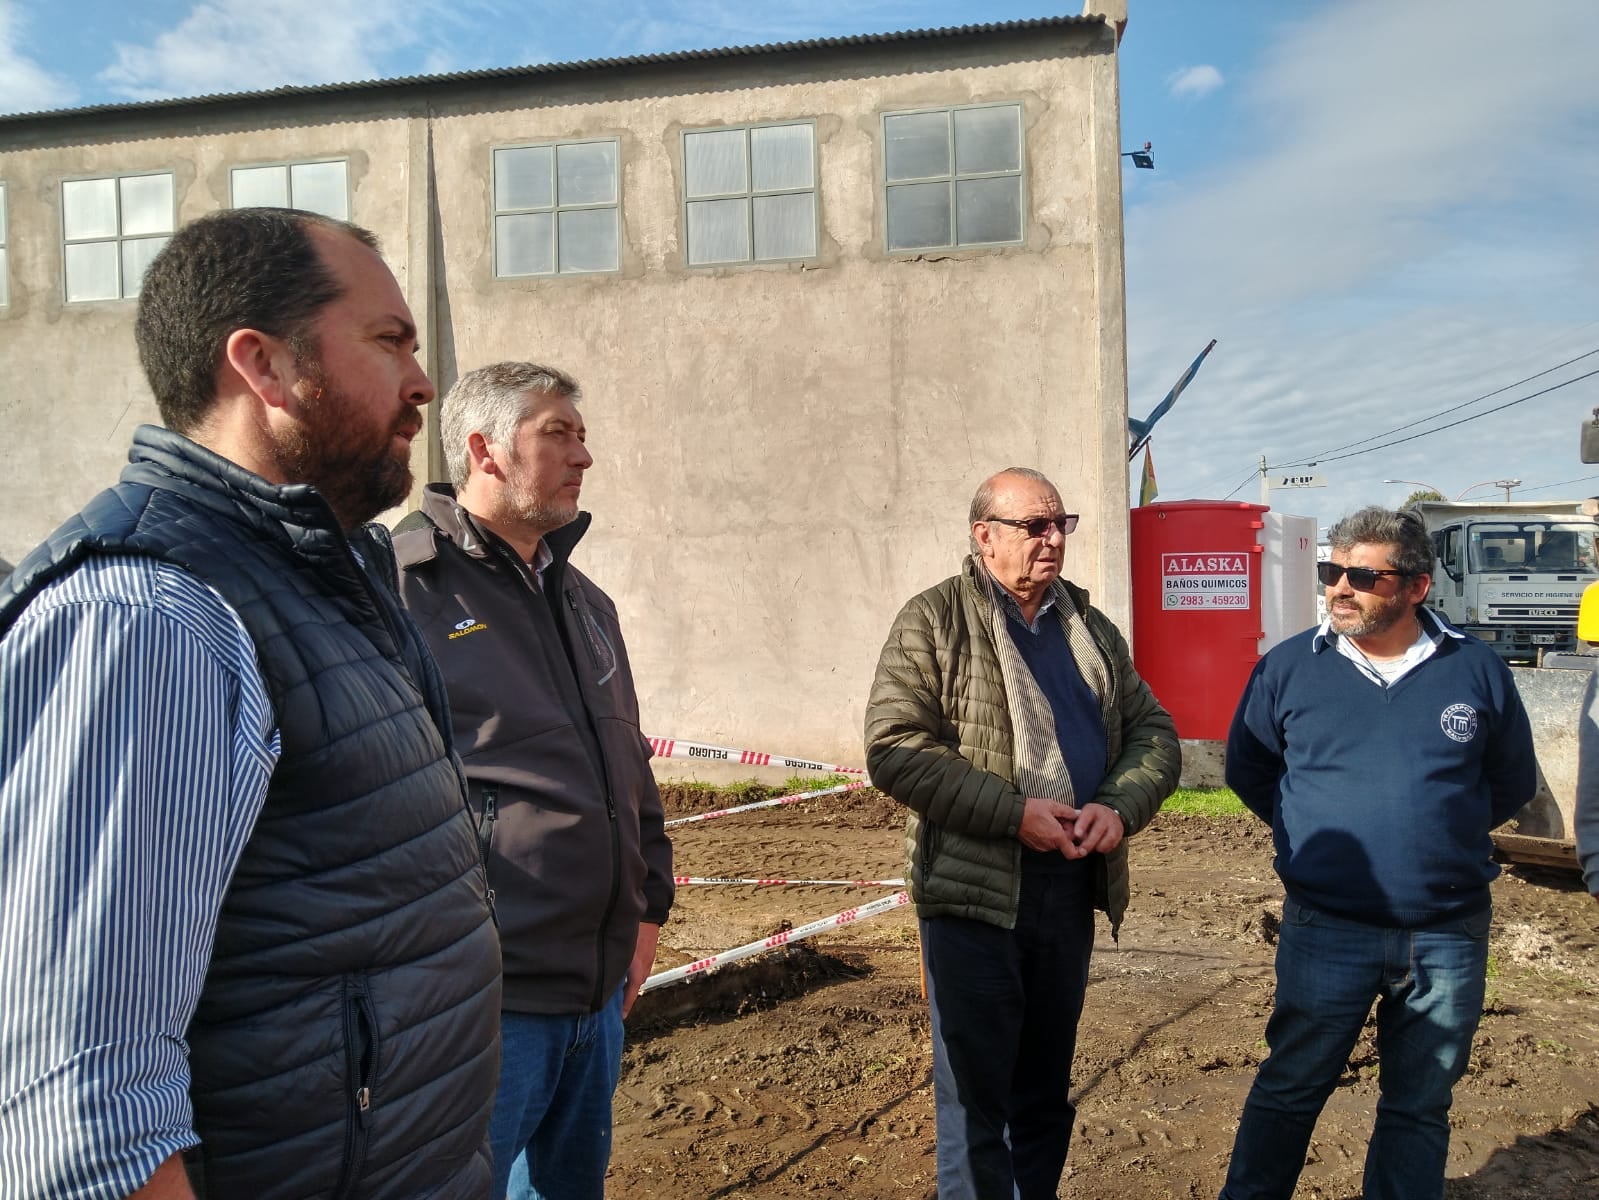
{"points": [[1205, 802]]}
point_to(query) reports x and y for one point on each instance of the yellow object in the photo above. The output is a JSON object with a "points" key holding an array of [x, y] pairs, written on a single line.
{"points": [[1588, 615]]}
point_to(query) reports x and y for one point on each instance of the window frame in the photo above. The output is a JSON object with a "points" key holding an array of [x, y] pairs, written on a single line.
{"points": [[288, 165], [119, 238], [555, 208], [750, 193], [955, 176]]}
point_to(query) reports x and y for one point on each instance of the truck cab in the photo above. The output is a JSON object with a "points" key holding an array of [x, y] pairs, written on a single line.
{"points": [[1512, 574]]}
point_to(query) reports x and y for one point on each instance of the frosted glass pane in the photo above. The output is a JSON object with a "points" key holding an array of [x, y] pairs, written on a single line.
{"points": [[918, 215], [588, 240], [136, 258], [988, 139], [321, 188], [92, 271], [524, 177], [718, 231], [146, 205], [5, 278], [988, 210], [89, 208], [917, 145], [781, 157], [785, 226], [525, 244], [715, 162], [261, 187], [586, 173]]}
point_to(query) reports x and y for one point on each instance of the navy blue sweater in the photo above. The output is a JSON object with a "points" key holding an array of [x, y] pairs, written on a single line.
{"points": [[1381, 798]]}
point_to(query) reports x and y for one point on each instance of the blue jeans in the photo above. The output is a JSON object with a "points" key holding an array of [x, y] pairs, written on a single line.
{"points": [[1429, 986], [551, 1130], [1005, 1004]]}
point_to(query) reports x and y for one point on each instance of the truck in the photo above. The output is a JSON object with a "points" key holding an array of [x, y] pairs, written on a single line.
{"points": [[1512, 573]]}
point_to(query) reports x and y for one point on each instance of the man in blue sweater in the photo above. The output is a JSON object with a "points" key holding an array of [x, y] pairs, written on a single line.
{"points": [[1382, 747]]}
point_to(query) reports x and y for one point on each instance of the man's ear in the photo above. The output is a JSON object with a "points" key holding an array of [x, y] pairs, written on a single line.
{"points": [[983, 537], [480, 456], [263, 364]]}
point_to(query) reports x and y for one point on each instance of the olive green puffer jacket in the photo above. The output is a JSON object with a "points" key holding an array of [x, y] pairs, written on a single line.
{"points": [[938, 740]]}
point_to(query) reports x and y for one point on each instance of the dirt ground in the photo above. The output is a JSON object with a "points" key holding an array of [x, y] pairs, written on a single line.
{"points": [[807, 1071]]}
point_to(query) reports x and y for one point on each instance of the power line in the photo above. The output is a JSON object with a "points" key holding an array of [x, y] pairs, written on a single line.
{"points": [[1487, 412], [1544, 487], [1315, 458]]}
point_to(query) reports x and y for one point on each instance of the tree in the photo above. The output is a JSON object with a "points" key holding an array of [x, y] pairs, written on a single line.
{"points": [[1422, 494]]}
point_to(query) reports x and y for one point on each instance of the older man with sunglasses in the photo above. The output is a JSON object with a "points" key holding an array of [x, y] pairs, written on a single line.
{"points": [[1006, 715], [1382, 747]]}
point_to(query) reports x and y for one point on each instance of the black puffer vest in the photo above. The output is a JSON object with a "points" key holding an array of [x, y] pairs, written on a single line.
{"points": [[346, 1043]]}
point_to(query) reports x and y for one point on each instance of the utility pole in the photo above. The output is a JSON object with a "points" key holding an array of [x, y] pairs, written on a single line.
{"points": [[1265, 483], [1507, 484]]}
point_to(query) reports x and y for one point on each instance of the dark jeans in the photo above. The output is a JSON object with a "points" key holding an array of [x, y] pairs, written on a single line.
{"points": [[1428, 984], [1005, 1005], [551, 1129]]}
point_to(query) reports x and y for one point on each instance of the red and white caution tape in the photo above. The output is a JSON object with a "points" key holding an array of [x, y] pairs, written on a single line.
{"points": [[794, 799], [847, 917], [673, 748], [692, 879]]}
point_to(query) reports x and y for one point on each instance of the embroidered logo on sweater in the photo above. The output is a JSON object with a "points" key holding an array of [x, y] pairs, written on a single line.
{"points": [[470, 625], [1459, 722]]}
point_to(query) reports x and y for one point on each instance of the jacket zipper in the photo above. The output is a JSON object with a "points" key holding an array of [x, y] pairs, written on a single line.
{"points": [[485, 841], [360, 1061]]}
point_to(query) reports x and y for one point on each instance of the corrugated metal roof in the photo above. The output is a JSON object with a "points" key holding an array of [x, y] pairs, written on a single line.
{"points": [[587, 64]]}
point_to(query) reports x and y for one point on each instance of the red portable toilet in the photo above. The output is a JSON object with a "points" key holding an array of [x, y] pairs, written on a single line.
{"points": [[1197, 623]]}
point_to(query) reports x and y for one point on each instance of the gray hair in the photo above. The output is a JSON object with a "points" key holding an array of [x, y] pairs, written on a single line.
{"points": [[1404, 531], [983, 500], [493, 401]]}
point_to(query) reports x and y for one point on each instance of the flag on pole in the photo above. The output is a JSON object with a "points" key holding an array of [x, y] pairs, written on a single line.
{"points": [[1140, 430], [1147, 491]]}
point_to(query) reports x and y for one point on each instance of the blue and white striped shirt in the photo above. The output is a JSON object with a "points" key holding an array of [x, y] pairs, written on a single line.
{"points": [[136, 744]]}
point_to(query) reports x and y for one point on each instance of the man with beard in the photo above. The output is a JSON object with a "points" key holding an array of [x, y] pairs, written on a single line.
{"points": [[547, 721], [244, 925], [1382, 747]]}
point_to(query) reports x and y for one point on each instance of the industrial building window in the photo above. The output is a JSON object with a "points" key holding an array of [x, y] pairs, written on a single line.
{"points": [[112, 229], [556, 208], [318, 187], [750, 194], [5, 286], [953, 177]]}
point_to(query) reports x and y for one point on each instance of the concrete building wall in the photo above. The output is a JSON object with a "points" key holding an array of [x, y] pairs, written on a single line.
{"points": [[784, 452]]}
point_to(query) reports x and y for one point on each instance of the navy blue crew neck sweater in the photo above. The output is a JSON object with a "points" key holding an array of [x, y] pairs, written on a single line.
{"points": [[1381, 798], [1079, 724]]}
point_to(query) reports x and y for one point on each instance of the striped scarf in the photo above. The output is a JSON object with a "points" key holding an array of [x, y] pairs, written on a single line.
{"points": [[1038, 767]]}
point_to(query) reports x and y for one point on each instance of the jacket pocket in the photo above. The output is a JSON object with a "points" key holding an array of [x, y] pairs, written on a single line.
{"points": [[929, 837], [601, 652], [360, 1069]]}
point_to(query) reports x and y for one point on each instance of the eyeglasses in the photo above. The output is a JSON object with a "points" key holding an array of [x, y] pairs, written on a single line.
{"points": [[1362, 579], [1037, 527]]}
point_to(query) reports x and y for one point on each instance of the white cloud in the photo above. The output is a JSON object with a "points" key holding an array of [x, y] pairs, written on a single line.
{"points": [[1409, 227], [25, 86], [1194, 83], [246, 45]]}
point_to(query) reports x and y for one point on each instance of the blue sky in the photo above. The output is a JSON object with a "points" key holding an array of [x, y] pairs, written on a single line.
{"points": [[1380, 210]]}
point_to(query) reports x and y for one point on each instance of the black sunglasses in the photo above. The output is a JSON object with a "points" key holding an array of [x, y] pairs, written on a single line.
{"points": [[1037, 527], [1362, 579]]}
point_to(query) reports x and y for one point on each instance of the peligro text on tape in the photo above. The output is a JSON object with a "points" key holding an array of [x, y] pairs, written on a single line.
{"points": [[676, 748], [847, 917], [693, 879], [794, 799]]}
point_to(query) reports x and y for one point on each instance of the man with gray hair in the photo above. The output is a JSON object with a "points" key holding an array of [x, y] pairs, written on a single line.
{"points": [[547, 722], [1382, 747], [1007, 716]]}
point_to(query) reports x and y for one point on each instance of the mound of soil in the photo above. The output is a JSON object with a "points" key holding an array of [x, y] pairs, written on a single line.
{"points": [[806, 1071]]}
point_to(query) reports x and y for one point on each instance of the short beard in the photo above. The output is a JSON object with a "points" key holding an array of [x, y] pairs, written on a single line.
{"points": [[321, 450], [1369, 624]]}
